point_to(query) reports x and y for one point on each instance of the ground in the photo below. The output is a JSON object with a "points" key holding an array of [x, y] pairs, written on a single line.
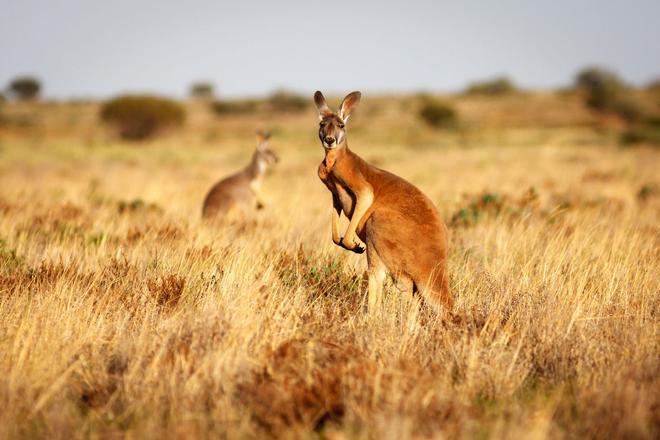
{"points": [[123, 313]]}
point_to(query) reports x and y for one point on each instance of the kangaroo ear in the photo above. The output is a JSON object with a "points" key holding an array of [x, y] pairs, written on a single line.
{"points": [[262, 136], [321, 105], [348, 104]]}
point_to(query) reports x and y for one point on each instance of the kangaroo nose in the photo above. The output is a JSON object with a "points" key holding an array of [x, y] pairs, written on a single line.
{"points": [[329, 140]]}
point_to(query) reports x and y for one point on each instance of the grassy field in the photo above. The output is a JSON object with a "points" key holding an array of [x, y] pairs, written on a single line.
{"points": [[122, 313]]}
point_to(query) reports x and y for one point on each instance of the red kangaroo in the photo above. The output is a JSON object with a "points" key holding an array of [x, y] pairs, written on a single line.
{"points": [[401, 228]]}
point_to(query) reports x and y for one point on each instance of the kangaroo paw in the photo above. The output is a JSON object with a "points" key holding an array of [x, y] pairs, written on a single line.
{"points": [[353, 247]]}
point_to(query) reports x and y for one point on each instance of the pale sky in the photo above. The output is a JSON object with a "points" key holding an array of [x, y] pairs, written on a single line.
{"points": [[90, 48]]}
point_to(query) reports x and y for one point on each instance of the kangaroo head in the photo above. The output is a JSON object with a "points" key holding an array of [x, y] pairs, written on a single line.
{"points": [[332, 128], [264, 155]]}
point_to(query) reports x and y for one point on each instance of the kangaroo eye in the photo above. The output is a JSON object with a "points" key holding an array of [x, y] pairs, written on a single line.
{"points": [[341, 125], [323, 123]]}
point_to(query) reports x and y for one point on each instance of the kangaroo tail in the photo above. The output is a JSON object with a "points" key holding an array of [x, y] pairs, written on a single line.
{"points": [[435, 290]]}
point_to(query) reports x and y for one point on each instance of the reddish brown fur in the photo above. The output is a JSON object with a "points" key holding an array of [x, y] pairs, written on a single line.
{"points": [[239, 193], [401, 227]]}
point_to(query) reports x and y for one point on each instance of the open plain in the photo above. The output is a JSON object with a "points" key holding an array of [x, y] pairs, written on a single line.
{"points": [[122, 313]]}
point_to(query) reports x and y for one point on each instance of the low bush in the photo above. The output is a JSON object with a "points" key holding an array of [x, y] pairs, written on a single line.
{"points": [[438, 114], [281, 101], [234, 107], [496, 86], [284, 101], [479, 206], [138, 117]]}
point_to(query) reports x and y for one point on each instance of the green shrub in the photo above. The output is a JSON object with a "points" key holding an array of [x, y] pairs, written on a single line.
{"points": [[496, 86], [438, 114], [234, 107], [202, 90], [25, 88], [138, 117], [284, 101], [483, 204], [490, 204]]}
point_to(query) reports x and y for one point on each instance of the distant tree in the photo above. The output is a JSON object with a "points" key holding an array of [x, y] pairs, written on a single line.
{"points": [[202, 90], [495, 86], [140, 116], [605, 92], [601, 87], [594, 77], [25, 88]]}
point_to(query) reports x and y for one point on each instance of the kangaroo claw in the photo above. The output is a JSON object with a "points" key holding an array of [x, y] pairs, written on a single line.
{"points": [[354, 247], [359, 249]]}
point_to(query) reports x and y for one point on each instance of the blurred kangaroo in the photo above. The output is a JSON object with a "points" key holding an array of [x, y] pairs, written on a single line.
{"points": [[240, 193], [401, 227]]}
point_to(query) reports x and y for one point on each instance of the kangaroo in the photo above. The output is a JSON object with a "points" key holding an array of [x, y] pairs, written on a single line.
{"points": [[240, 192], [402, 230]]}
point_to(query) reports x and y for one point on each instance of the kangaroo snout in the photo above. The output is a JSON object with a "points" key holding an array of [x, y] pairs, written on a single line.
{"points": [[329, 140]]}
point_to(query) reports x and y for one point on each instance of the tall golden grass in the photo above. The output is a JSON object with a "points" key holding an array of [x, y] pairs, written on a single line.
{"points": [[123, 314]]}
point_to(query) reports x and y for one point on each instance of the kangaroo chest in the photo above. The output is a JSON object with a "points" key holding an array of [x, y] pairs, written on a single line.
{"points": [[336, 186], [255, 185]]}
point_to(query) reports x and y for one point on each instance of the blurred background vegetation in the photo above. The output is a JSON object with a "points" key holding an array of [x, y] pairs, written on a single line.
{"points": [[597, 98]]}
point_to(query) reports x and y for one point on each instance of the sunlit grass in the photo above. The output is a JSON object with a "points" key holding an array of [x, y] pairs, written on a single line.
{"points": [[121, 312]]}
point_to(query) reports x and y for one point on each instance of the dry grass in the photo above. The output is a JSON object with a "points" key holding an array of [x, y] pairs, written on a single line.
{"points": [[121, 313]]}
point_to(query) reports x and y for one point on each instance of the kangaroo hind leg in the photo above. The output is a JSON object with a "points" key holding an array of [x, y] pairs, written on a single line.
{"points": [[409, 303], [377, 272]]}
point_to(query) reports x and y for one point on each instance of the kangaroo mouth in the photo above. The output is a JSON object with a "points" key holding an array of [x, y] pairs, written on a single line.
{"points": [[330, 146]]}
